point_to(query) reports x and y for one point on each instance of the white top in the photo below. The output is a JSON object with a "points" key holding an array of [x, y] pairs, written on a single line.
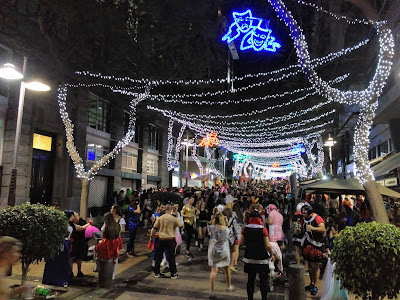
{"points": [[218, 248], [121, 222], [147, 204]]}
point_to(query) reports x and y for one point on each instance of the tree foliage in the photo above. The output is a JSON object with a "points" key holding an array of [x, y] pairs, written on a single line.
{"points": [[367, 260], [40, 228]]}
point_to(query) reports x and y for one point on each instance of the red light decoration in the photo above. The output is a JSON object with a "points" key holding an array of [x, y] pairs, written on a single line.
{"points": [[210, 140], [275, 165]]}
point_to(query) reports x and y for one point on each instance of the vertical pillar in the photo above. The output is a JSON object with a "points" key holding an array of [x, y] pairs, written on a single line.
{"points": [[117, 134], [394, 125], [166, 176], [296, 282], [145, 147]]}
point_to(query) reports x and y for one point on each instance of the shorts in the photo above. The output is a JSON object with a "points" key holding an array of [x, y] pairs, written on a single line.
{"points": [[203, 224]]}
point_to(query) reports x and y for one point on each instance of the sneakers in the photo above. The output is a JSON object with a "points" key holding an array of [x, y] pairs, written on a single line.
{"points": [[157, 275], [230, 289], [309, 287], [175, 276], [233, 269], [314, 291], [80, 274], [189, 255]]}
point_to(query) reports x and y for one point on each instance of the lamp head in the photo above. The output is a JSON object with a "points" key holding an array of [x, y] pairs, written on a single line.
{"points": [[8, 71], [37, 86], [330, 142]]}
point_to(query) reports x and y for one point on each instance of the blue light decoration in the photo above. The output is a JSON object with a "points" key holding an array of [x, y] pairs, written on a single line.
{"points": [[91, 155], [254, 36], [288, 167], [299, 148]]}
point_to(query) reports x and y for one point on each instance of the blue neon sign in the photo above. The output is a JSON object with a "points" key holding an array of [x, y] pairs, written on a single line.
{"points": [[254, 35]]}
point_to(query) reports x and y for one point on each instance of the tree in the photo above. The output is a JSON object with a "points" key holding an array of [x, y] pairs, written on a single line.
{"points": [[367, 260], [40, 228], [367, 99]]}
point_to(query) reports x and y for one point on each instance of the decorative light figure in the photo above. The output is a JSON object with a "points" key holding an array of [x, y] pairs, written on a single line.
{"points": [[255, 37], [210, 140]]}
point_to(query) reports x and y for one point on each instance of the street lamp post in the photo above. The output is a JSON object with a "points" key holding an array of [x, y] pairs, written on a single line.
{"points": [[330, 142], [8, 72], [187, 160]]}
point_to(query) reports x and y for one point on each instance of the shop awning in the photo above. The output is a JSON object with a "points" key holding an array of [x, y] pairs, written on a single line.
{"points": [[346, 186], [387, 165]]}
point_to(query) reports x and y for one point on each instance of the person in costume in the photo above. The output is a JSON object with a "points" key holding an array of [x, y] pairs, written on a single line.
{"points": [[133, 221], [257, 254], [57, 271], [313, 246]]}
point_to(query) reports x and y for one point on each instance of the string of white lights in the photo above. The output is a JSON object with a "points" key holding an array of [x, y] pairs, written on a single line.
{"points": [[195, 158], [178, 146], [151, 82], [279, 134], [340, 17], [229, 131], [170, 143], [269, 121], [365, 98], [261, 143], [361, 142]]}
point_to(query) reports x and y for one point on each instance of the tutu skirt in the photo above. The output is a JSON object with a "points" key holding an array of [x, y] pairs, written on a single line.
{"points": [[178, 238]]}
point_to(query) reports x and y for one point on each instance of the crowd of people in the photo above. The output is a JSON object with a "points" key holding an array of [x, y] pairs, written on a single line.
{"points": [[262, 218]]}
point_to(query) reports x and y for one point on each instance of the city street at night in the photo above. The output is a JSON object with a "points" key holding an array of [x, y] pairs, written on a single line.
{"points": [[217, 149]]}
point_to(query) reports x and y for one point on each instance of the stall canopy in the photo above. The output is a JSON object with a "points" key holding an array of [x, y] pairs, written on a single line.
{"points": [[346, 186]]}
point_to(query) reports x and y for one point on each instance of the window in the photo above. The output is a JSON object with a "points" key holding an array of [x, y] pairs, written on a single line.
{"points": [[200, 151], [95, 152], [126, 121], [153, 137], [372, 154], [42, 142], [383, 148], [152, 167], [129, 162], [99, 116]]}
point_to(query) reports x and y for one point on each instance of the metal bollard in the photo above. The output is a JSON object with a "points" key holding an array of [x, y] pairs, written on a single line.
{"points": [[105, 268], [296, 282]]}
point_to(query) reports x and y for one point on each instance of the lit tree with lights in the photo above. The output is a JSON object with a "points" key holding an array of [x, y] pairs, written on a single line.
{"points": [[366, 99], [84, 175]]}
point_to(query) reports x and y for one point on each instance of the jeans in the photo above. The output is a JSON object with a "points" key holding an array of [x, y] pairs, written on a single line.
{"points": [[189, 233], [263, 285], [169, 247], [131, 243]]}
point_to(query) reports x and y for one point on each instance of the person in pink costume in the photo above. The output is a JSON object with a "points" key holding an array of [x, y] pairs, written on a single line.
{"points": [[275, 221]]}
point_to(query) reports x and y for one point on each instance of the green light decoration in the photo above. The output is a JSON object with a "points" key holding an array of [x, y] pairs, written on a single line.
{"points": [[241, 157]]}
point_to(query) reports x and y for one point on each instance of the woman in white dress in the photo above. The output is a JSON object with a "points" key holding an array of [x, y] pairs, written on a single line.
{"points": [[218, 251]]}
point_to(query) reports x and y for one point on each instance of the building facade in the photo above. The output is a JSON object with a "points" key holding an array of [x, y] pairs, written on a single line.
{"points": [[45, 172]]}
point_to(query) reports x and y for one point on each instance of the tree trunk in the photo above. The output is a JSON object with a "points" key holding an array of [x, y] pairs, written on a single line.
{"points": [[84, 197], [25, 270], [376, 202]]}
